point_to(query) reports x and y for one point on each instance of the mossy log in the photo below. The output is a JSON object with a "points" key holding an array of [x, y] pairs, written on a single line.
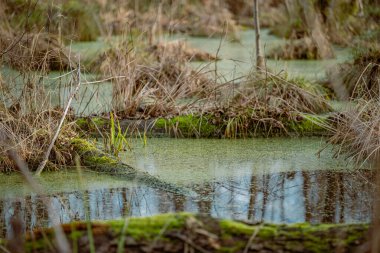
{"points": [[190, 126], [185, 232], [98, 161]]}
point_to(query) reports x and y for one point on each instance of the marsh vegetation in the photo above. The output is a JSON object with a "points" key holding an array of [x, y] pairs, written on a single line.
{"points": [[226, 109]]}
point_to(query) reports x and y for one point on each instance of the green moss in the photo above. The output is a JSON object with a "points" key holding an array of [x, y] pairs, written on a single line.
{"points": [[189, 125], [82, 145], [102, 160], [309, 124], [232, 236], [267, 232], [91, 154], [236, 228], [150, 227]]}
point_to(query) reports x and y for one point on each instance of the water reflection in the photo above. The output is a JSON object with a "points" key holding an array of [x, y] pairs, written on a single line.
{"points": [[317, 196]]}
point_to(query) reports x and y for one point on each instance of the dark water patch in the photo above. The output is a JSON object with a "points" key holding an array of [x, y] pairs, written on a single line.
{"points": [[283, 197]]}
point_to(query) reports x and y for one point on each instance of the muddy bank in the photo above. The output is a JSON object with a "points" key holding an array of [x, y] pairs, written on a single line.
{"points": [[179, 232]]}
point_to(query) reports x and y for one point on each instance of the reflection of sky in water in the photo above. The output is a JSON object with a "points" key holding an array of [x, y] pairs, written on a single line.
{"points": [[231, 178]]}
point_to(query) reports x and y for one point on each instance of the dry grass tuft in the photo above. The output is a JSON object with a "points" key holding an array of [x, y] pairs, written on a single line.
{"points": [[41, 51], [29, 126], [356, 132], [152, 86], [210, 18], [303, 48], [361, 78], [279, 92], [180, 50], [268, 106]]}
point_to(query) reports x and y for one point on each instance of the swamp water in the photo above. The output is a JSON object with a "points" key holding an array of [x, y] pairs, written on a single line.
{"points": [[236, 62], [278, 180], [273, 180]]}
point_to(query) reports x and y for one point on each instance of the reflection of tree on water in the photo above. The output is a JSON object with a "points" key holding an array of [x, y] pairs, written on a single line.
{"points": [[278, 197], [252, 197], [306, 198], [205, 204]]}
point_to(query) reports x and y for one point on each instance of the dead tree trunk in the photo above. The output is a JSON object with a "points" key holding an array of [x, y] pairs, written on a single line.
{"points": [[260, 64]]}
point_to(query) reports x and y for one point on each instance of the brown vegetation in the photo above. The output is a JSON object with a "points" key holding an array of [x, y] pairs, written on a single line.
{"points": [[356, 132], [198, 18], [269, 105], [181, 50], [148, 87], [303, 48], [40, 51], [360, 78], [29, 125]]}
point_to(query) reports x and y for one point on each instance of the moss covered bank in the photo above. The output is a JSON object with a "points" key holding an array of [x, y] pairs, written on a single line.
{"points": [[183, 232]]}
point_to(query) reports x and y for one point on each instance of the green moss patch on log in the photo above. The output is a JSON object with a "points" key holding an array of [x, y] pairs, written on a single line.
{"points": [[176, 232], [92, 124], [210, 126]]}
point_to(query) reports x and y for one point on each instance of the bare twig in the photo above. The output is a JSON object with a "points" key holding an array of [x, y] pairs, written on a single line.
{"points": [[46, 157], [253, 236]]}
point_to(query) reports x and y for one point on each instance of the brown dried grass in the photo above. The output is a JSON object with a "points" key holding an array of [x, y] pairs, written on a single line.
{"points": [[208, 18], [180, 50], [356, 132], [267, 105], [28, 121], [303, 48], [362, 77], [29, 125], [145, 87], [40, 51]]}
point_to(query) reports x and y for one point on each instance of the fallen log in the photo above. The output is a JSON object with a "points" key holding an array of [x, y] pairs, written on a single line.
{"points": [[184, 232]]}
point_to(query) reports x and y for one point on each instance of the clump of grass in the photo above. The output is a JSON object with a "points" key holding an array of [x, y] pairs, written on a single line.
{"points": [[279, 91], [303, 48], [269, 105], [152, 87], [116, 140], [356, 132], [40, 51], [361, 78], [265, 106], [197, 18], [72, 19], [180, 50], [30, 133], [28, 120]]}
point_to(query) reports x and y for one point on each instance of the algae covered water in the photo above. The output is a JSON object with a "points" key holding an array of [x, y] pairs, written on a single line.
{"points": [[278, 180]]}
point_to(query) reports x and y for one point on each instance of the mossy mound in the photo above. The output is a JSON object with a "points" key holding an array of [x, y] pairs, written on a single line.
{"points": [[178, 232], [222, 125]]}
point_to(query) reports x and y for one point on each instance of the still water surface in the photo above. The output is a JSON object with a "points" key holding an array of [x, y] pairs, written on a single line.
{"points": [[274, 180]]}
